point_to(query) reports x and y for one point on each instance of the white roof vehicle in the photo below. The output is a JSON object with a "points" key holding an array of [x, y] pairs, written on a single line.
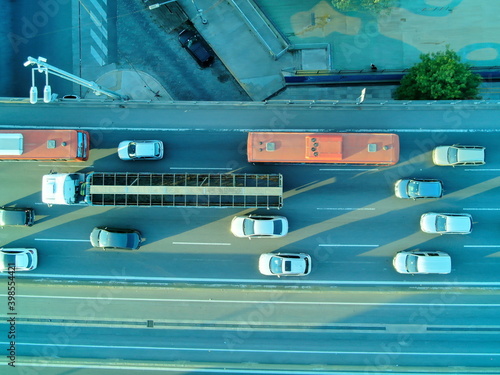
{"points": [[432, 222], [281, 264], [259, 226], [140, 150], [422, 262], [458, 155], [18, 259]]}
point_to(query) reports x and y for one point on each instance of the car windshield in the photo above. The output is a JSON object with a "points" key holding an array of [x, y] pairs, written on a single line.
{"points": [[411, 263], [276, 265], [440, 223], [248, 227], [412, 188], [278, 227], [131, 149], [452, 155]]}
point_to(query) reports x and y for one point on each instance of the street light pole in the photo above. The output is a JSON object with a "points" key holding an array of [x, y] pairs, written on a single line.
{"points": [[154, 6], [42, 66]]}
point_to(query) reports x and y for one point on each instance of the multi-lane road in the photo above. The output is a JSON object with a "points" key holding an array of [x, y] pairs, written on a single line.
{"points": [[353, 309]]}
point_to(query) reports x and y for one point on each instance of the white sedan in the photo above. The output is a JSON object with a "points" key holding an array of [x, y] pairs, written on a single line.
{"points": [[18, 259], [257, 226], [285, 264], [432, 222], [140, 150]]}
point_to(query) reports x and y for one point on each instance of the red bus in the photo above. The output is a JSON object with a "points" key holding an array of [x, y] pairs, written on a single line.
{"points": [[323, 148], [47, 145]]}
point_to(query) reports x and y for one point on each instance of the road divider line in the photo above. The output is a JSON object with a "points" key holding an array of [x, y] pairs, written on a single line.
{"points": [[277, 302], [60, 240], [201, 280], [482, 170], [346, 209], [202, 243], [291, 351], [345, 245], [200, 168], [481, 245], [348, 169], [480, 209]]}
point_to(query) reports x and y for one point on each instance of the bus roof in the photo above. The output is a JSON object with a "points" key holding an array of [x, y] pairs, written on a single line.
{"points": [[43, 144], [339, 148]]}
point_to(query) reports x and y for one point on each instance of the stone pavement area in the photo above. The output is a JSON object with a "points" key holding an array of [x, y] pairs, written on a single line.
{"points": [[312, 28]]}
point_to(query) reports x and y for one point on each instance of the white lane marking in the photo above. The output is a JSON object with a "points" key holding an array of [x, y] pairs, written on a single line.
{"points": [[348, 169], [265, 301], [99, 8], [96, 56], [481, 209], [481, 245], [33, 274], [202, 168], [202, 243], [64, 165], [346, 208], [99, 42], [482, 170], [162, 129], [435, 353], [60, 240], [345, 245]]}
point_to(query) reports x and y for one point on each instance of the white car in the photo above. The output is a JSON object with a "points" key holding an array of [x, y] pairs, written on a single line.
{"points": [[18, 259], [140, 150], [458, 155], [257, 226], [432, 222], [285, 264], [422, 262]]}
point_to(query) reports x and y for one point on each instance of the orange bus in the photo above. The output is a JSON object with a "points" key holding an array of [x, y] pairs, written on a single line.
{"points": [[323, 148], [48, 145]]}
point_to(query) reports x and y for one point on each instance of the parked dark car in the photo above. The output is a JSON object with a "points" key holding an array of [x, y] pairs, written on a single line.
{"points": [[197, 47], [115, 238], [16, 216]]}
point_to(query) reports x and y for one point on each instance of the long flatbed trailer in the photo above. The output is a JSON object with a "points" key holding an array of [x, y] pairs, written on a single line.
{"points": [[164, 189]]}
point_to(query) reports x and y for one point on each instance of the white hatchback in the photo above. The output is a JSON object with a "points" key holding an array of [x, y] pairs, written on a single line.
{"points": [[285, 264], [432, 222], [140, 150], [259, 226]]}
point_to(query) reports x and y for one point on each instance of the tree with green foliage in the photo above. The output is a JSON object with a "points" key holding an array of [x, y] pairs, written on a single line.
{"points": [[371, 6], [439, 76]]}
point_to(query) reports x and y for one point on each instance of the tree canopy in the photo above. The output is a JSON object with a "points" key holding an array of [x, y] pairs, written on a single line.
{"points": [[439, 76], [371, 6]]}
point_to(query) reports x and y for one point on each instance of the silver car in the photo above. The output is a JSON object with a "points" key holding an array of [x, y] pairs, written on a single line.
{"points": [[432, 222], [16, 216], [115, 238], [458, 155], [422, 262], [416, 188], [258, 226], [285, 264], [18, 259], [140, 150]]}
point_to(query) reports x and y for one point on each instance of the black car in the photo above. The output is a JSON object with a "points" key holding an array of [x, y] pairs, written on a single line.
{"points": [[115, 238], [16, 216], [197, 47]]}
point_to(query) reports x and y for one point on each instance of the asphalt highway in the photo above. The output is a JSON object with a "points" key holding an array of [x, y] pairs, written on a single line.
{"points": [[346, 218]]}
